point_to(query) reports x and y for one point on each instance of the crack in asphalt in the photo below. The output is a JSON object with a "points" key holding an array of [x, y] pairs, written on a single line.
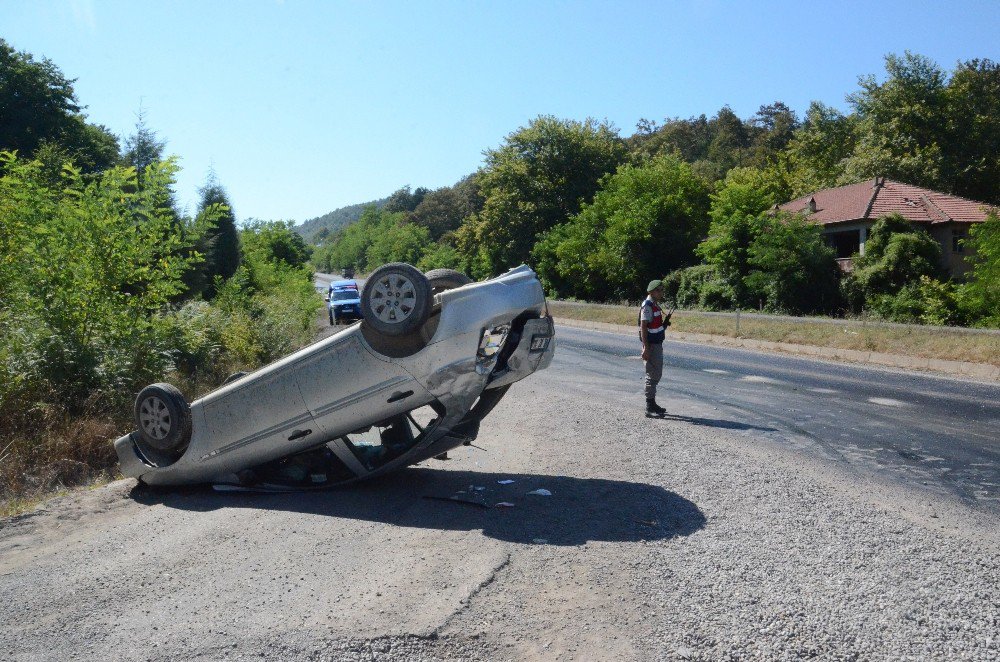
{"points": [[465, 602]]}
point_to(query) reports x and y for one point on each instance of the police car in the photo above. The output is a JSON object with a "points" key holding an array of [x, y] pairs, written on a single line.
{"points": [[344, 301]]}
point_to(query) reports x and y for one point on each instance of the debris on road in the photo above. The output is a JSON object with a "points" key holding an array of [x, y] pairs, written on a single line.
{"points": [[508, 481], [504, 504], [541, 492]]}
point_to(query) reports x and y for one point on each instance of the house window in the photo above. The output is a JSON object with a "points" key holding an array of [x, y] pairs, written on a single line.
{"points": [[958, 238]]}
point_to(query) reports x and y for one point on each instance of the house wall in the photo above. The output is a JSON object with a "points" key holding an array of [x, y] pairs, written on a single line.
{"points": [[955, 261]]}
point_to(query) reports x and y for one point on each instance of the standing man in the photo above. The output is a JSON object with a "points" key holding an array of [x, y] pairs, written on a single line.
{"points": [[652, 326]]}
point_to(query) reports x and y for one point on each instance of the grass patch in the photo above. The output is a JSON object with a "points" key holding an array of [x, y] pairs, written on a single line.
{"points": [[923, 342]]}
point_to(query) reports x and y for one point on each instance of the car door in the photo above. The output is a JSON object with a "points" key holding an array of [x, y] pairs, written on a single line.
{"points": [[346, 387]]}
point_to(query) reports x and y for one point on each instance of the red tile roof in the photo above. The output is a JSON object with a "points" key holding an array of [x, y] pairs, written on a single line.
{"points": [[868, 201]]}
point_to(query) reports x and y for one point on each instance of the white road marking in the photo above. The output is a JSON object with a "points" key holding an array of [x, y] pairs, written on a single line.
{"points": [[715, 371], [760, 380], [824, 390], [889, 402]]}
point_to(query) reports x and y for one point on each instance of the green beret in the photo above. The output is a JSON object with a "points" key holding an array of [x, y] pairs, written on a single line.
{"points": [[653, 284]]}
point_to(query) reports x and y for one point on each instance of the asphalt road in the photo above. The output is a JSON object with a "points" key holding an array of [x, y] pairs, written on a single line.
{"points": [[940, 434]]}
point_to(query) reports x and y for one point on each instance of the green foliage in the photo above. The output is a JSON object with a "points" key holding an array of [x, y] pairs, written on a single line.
{"points": [[84, 278], [40, 110], [397, 241], [980, 296], [737, 221], [792, 270], [334, 221], [897, 254], [221, 241], [442, 211], [405, 200], [818, 152], [440, 256], [537, 179], [643, 222], [698, 287], [274, 242]]}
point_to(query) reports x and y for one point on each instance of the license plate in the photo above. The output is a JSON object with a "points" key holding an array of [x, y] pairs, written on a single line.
{"points": [[539, 343]]}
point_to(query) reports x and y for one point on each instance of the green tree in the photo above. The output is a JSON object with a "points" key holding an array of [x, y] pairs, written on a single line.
{"points": [[443, 210], [221, 242], [896, 254], [972, 157], [398, 241], [88, 279], [980, 296], [274, 241], [39, 108], [792, 268], [405, 200], [737, 220], [643, 222], [902, 123], [771, 130], [537, 179], [818, 153]]}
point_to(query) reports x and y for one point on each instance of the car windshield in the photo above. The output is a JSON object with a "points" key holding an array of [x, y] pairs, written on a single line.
{"points": [[345, 295]]}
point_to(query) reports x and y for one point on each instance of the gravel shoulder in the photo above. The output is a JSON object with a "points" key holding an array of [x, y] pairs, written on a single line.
{"points": [[663, 539]]}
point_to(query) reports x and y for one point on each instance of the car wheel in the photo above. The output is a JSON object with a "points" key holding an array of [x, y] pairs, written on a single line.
{"points": [[396, 300], [446, 279], [163, 418], [333, 320], [233, 377]]}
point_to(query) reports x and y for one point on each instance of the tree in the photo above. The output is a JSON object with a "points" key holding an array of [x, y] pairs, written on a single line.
{"points": [[972, 157], [818, 151], [737, 213], [901, 123], [792, 268], [771, 129], [221, 242], [537, 179], [39, 107], [275, 242], [897, 254], [980, 297], [644, 222], [443, 210], [404, 200]]}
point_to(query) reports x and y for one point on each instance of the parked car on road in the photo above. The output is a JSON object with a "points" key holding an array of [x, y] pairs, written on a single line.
{"points": [[343, 301], [432, 356]]}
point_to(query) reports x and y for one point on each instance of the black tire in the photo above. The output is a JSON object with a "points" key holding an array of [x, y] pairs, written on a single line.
{"points": [[163, 418], [333, 320], [446, 279], [396, 299], [233, 377]]}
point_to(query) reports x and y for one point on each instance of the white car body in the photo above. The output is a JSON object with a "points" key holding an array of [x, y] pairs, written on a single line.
{"points": [[338, 388]]}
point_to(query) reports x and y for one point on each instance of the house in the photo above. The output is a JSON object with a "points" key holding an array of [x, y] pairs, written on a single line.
{"points": [[847, 213]]}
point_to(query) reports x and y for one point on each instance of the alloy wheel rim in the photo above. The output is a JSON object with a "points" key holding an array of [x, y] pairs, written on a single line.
{"points": [[154, 417], [393, 298]]}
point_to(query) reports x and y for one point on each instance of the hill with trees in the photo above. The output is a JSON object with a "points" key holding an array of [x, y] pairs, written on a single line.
{"points": [[317, 230]]}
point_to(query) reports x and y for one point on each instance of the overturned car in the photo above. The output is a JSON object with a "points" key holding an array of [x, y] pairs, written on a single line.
{"points": [[432, 356]]}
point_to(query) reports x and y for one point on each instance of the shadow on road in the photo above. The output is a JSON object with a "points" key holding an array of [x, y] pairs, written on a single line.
{"points": [[579, 509], [714, 422]]}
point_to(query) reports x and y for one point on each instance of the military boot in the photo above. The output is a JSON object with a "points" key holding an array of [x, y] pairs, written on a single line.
{"points": [[654, 409]]}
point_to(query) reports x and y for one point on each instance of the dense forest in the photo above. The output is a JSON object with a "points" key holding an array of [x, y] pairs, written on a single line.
{"points": [[599, 214], [106, 286]]}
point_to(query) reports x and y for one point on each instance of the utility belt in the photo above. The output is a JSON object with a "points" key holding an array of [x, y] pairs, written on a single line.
{"points": [[655, 338]]}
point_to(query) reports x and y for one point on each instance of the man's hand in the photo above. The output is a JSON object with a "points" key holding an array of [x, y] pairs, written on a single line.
{"points": [[645, 353]]}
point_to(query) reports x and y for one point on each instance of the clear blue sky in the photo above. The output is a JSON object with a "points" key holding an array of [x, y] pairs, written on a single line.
{"points": [[306, 106]]}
